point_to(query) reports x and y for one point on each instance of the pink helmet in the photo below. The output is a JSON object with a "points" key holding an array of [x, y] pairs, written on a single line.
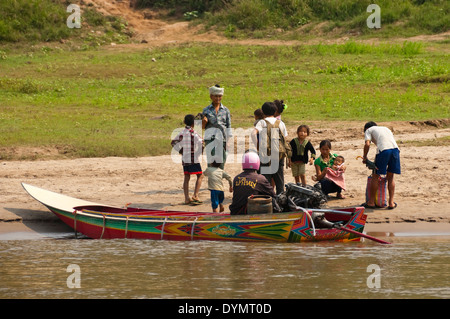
{"points": [[250, 160]]}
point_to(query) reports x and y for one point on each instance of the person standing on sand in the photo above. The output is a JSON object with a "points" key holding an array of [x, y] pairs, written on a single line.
{"points": [[300, 146], [215, 175], [216, 122], [269, 168], [190, 145], [387, 160]]}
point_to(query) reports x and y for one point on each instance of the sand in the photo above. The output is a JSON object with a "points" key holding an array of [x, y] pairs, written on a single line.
{"points": [[422, 190]]}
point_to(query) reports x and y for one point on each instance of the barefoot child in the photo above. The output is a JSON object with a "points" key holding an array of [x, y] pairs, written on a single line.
{"points": [[300, 147], [336, 172], [215, 175], [190, 145]]}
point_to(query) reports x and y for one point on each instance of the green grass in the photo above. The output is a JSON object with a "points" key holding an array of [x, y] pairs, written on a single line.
{"points": [[37, 21], [104, 102], [440, 141], [32, 20]]}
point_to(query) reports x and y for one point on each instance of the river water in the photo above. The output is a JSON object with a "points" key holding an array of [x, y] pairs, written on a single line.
{"points": [[58, 266]]}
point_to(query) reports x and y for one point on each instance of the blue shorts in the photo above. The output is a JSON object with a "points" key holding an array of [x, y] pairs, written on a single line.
{"points": [[217, 198], [388, 161], [192, 169]]}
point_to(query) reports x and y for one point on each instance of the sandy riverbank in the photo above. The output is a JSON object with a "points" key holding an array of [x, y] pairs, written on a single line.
{"points": [[422, 191]]}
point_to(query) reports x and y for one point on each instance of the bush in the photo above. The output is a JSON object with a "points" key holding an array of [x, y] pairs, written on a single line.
{"points": [[433, 16], [183, 5], [234, 16], [341, 10], [35, 20]]}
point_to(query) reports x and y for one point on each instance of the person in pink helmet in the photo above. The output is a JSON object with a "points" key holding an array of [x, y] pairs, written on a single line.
{"points": [[248, 183]]}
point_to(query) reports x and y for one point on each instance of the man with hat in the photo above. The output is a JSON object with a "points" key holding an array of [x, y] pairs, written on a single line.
{"points": [[216, 122], [248, 183]]}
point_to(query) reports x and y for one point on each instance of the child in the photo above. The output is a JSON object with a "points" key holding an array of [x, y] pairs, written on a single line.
{"points": [[300, 147], [324, 161], [280, 108], [259, 115], [336, 172], [215, 175], [190, 145]]}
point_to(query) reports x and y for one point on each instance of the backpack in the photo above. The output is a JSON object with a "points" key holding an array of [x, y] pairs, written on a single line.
{"points": [[284, 147]]}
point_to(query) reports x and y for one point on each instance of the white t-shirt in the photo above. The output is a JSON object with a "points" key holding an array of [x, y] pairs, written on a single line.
{"points": [[262, 124], [382, 137]]}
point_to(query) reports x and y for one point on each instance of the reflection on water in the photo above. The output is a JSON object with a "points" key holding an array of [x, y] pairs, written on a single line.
{"points": [[413, 267]]}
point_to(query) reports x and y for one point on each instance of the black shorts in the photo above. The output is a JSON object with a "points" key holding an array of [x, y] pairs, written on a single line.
{"points": [[192, 169]]}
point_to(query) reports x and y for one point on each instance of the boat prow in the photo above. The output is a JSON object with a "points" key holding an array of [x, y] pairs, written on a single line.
{"points": [[54, 200]]}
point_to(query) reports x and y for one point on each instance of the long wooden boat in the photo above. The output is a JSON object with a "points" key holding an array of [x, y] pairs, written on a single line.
{"points": [[100, 221]]}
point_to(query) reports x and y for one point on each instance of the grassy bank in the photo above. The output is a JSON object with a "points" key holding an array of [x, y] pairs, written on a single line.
{"points": [[120, 103], [45, 20], [36, 21], [297, 18]]}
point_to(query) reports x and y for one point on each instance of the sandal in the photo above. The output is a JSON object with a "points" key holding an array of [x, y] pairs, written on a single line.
{"points": [[198, 201], [393, 207], [368, 206]]}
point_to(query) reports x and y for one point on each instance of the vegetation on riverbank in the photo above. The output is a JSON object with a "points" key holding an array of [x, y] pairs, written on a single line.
{"points": [[35, 21], [45, 20], [297, 18], [121, 103]]}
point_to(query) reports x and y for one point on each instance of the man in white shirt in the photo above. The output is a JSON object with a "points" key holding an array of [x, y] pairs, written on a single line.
{"points": [[387, 160], [272, 167]]}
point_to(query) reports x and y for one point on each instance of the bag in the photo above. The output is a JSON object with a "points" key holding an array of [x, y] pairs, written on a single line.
{"points": [[380, 196], [284, 147]]}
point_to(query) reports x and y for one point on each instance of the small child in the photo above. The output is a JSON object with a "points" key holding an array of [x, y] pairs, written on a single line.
{"points": [[190, 145], [259, 115], [336, 172], [215, 175], [300, 147], [280, 108]]}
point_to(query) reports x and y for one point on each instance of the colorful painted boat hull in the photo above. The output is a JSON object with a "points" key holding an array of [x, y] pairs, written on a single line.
{"points": [[106, 222]]}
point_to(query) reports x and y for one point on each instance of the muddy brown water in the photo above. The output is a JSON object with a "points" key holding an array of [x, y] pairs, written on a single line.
{"points": [[56, 265]]}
